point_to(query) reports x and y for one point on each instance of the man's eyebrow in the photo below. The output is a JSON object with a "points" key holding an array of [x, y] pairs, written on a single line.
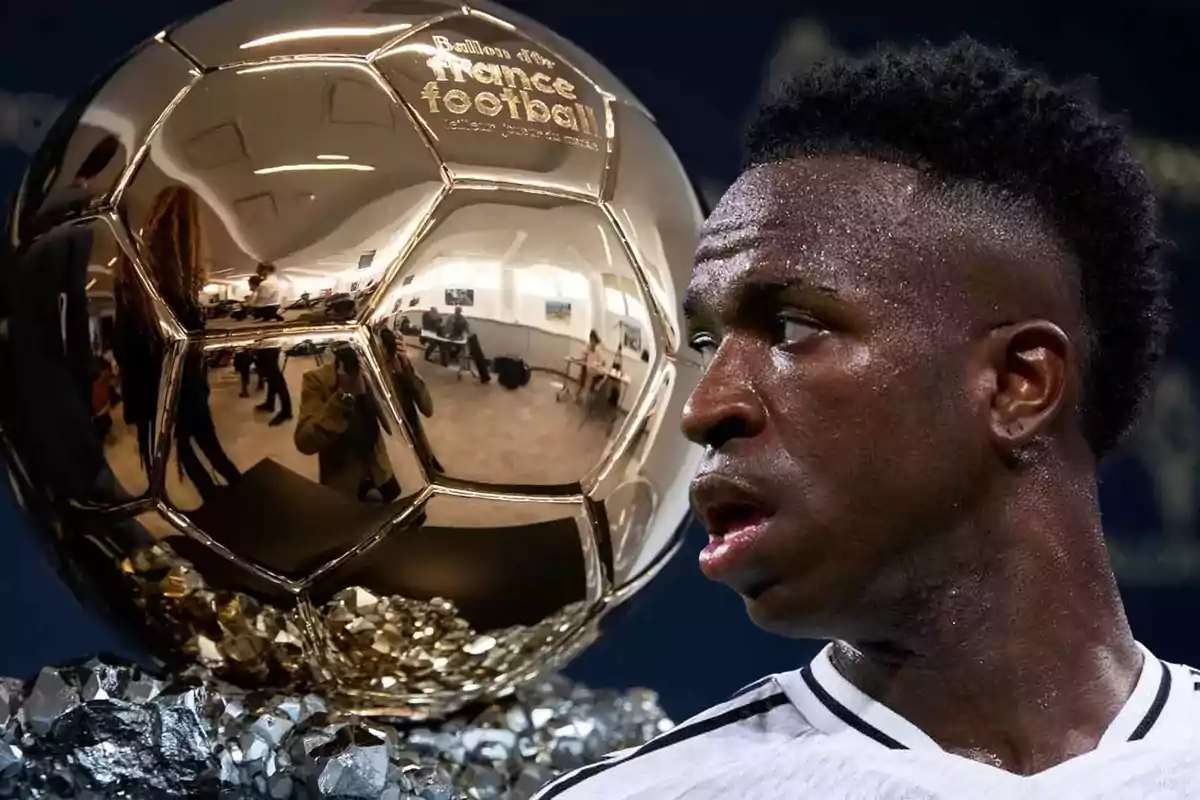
{"points": [[755, 292], [759, 290], [721, 246], [693, 304]]}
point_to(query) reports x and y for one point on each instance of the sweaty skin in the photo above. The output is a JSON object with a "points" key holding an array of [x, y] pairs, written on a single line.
{"points": [[890, 393]]}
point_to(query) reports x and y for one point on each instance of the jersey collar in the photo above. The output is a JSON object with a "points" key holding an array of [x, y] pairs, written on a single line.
{"points": [[837, 708]]}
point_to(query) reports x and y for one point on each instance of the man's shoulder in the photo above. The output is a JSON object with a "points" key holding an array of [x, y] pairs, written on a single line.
{"points": [[754, 716], [322, 377]]}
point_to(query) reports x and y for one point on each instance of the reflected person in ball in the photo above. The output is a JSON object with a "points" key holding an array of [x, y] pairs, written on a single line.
{"points": [[464, 535]]}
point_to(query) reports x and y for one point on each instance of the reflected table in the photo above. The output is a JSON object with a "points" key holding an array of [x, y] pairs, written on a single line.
{"points": [[444, 344], [596, 407]]}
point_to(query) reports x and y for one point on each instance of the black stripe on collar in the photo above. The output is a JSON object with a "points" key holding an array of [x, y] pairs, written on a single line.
{"points": [[846, 715], [1155, 710]]}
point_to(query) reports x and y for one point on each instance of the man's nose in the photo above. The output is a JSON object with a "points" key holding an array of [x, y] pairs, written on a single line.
{"points": [[724, 405]]}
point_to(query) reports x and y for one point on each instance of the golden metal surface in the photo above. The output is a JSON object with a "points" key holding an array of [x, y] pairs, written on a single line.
{"points": [[322, 482]]}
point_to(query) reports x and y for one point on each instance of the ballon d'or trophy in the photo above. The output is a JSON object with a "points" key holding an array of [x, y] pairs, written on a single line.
{"points": [[341, 351]]}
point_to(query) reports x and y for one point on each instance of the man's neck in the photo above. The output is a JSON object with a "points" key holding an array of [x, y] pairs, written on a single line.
{"points": [[1023, 663]]}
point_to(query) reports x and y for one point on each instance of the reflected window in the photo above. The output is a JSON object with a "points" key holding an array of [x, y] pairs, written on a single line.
{"points": [[623, 300], [544, 280]]}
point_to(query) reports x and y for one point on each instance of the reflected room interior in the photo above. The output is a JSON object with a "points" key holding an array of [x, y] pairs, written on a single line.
{"points": [[290, 449], [327, 373]]}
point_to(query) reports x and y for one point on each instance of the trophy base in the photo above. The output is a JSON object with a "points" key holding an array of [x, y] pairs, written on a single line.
{"points": [[108, 729]]}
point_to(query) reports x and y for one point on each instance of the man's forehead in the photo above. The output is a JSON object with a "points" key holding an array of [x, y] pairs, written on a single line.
{"points": [[813, 193], [881, 233], [808, 218]]}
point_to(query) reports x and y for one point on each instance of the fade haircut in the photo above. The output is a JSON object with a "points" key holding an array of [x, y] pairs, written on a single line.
{"points": [[968, 114]]}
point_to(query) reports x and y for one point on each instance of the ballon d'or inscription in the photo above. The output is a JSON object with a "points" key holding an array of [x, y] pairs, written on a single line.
{"points": [[525, 92]]}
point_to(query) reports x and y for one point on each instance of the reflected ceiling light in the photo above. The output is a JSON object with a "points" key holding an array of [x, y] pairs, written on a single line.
{"points": [[333, 158], [418, 49], [112, 261], [314, 168], [324, 33], [90, 284], [321, 63]]}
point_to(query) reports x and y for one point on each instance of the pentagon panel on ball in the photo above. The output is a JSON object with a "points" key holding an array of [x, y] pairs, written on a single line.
{"points": [[345, 345]]}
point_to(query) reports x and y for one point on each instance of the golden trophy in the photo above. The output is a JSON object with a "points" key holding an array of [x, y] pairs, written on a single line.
{"points": [[344, 345]]}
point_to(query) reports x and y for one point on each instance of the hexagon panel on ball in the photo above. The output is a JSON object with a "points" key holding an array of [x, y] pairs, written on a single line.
{"points": [[539, 287], [308, 168], [326, 379], [336, 468]]}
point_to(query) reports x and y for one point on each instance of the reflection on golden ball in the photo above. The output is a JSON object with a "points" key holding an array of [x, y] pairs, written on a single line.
{"points": [[343, 347]]}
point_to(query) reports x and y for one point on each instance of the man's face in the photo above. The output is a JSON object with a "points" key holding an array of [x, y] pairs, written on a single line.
{"points": [[842, 435]]}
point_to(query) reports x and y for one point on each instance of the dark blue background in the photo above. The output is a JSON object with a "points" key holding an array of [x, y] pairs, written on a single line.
{"points": [[699, 71]]}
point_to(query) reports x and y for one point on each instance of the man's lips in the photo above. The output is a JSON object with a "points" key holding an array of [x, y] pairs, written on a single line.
{"points": [[726, 554], [736, 515]]}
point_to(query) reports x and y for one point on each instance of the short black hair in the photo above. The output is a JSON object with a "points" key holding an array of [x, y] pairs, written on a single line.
{"points": [[347, 357], [968, 113], [388, 338]]}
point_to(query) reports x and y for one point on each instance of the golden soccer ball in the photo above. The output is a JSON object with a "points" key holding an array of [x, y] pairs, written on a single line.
{"points": [[343, 345]]}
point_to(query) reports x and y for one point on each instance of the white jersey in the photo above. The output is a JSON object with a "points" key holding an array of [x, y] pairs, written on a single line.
{"points": [[268, 293], [811, 734]]}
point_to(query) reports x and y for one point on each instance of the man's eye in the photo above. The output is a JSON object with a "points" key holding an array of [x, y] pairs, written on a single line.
{"points": [[795, 329], [705, 344]]}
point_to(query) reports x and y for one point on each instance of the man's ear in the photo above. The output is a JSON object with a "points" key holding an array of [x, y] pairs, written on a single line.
{"points": [[1033, 362]]}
